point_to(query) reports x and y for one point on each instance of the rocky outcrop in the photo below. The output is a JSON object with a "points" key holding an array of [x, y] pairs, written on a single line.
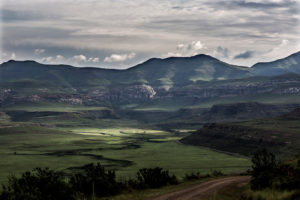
{"points": [[136, 92], [243, 88]]}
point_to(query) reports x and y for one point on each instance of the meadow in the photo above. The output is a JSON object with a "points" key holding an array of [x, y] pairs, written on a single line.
{"points": [[68, 143]]}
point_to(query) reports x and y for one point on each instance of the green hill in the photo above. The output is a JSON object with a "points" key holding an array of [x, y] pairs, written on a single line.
{"points": [[165, 73], [280, 135], [170, 83], [290, 64]]}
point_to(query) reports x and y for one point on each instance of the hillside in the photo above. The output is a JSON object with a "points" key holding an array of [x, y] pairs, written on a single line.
{"points": [[278, 67], [279, 135], [244, 111], [170, 84], [22, 74], [164, 73], [176, 71]]}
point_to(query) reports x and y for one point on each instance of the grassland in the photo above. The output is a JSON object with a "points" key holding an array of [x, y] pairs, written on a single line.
{"points": [[53, 107], [67, 142]]}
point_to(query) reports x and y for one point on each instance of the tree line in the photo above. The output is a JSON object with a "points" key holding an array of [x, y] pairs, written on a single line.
{"points": [[93, 181], [96, 181]]}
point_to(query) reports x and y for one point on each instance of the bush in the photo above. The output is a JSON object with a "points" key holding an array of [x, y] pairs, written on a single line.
{"points": [[154, 178], [39, 184], [95, 180], [264, 169], [192, 176], [289, 177], [216, 173]]}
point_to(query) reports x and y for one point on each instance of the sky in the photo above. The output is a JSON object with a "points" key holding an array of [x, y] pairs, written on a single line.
{"points": [[122, 33]]}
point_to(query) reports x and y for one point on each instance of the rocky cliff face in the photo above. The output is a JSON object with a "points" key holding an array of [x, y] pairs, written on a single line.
{"points": [[135, 92], [141, 92], [245, 87]]}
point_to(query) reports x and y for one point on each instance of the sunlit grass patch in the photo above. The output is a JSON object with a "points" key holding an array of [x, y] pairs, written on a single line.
{"points": [[119, 132], [184, 130], [167, 139]]}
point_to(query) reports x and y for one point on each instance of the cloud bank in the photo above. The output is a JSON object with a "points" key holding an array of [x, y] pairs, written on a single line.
{"points": [[38, 29]]}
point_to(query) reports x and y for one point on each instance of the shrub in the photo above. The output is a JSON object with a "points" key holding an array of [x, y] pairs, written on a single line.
{"points": [[264, 169], [289, 177], [95, 180], [154, 178], [39, 184], [192, 176], [216, 173]]}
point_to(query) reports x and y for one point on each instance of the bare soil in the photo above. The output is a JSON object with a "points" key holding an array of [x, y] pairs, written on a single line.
{"points": [[204, 190]]}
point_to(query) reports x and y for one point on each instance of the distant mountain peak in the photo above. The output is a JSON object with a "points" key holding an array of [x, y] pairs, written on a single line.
{"points": [[19, 61], [296, 54], [290, 64]]}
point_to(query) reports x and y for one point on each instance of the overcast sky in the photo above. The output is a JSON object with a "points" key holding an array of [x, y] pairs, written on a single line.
{"points": [[122, 33]]}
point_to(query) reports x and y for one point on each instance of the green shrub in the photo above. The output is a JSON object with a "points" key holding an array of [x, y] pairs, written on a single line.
{"points": [[288, 177], [95, 180], [154, 178], [216, 173], [192, 176], [39, 184], [92, 181], [264, 170]]}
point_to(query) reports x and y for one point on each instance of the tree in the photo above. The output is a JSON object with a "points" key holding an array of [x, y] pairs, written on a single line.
{"points": [[95, 180], [263, 169], [38, 184]]}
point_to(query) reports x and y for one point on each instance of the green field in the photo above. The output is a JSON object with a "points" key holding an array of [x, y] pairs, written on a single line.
{"points": [[67, 145], [51, 107]]}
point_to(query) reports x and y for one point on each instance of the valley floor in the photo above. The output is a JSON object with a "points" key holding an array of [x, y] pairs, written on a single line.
{"points": [[67, 143]]}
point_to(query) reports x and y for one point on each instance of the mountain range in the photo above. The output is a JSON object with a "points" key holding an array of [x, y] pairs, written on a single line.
{"points": [[187, 80]]}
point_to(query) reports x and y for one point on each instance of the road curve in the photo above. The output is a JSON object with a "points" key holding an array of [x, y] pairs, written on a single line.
{"points": [[203, 190]]}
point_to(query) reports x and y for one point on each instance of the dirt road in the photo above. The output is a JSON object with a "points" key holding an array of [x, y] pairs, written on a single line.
{"points": [[203, 190]]}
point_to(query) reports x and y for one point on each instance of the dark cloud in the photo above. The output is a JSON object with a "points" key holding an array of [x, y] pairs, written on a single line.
{"points": [[245, 55], [13, 15], [98, 29], [267, 6], [264, 4], [223, 52]]}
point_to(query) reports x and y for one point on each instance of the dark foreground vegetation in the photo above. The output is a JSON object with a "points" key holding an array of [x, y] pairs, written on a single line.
{"points": [[271, 180], [93, 181], [270, 176]]}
